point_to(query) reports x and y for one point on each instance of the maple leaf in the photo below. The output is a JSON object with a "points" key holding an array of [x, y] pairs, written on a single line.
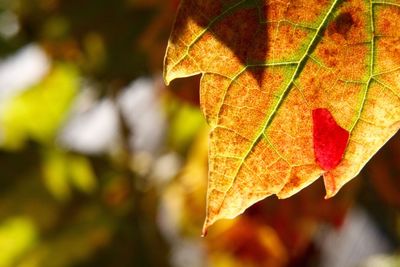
{"points": [[292, 90]]}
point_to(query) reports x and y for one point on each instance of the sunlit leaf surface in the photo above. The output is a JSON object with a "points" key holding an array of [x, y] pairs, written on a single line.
{"points": [[292, 90]]}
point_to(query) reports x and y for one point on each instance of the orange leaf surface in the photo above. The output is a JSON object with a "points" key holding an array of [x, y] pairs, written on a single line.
{"points": [[292, 89]]}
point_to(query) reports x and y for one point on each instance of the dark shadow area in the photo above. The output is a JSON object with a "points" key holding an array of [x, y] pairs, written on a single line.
{"points": [[235, 23]]}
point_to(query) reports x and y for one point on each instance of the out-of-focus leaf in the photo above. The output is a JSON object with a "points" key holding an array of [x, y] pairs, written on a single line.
{"points": [[185, 124], [183, 198], [38, 112], [62, 171], [55, 174], [249, 243], [17, 236], [81, 174], [87, 232]]}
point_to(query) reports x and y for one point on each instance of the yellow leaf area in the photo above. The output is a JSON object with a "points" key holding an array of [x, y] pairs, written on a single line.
{"points": [[266, 65], [37, 113]]}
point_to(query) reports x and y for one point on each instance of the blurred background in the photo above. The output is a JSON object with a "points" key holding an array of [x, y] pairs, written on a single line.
{"points": [[102, 165]]}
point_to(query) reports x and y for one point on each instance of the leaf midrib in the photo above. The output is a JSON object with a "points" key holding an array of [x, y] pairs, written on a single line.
{"points": [[278, 103]]}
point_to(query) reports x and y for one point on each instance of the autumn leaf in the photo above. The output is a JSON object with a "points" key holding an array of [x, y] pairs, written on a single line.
{"points": [[292, 90]]}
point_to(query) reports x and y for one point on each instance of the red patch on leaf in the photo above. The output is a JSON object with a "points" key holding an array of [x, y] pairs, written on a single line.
{"points": [[330, 140]]}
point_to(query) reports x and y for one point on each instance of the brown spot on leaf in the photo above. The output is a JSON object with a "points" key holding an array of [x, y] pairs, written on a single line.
{"points": [[295, 181], [341, 25]]}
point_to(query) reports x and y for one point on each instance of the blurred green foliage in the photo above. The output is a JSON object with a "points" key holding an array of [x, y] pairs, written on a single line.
{"points": [[61, 208], [32, 116], [17, 235]]}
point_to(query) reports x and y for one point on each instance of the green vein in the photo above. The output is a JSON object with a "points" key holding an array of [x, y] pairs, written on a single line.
{"points": [[233, 79], [278, 103], [386, 3], [386, 72], [210, 24], [371, 67], [386, 87], [272, 64], [275, 149], [303, 26]]}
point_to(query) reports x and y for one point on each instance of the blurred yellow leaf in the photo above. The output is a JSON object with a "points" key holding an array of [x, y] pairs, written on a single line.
{"points": [[185, 125], [248, 242], [38, 112], [17, 235], [61, 171], [184, 198], [55, 175], [81, 174]]}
